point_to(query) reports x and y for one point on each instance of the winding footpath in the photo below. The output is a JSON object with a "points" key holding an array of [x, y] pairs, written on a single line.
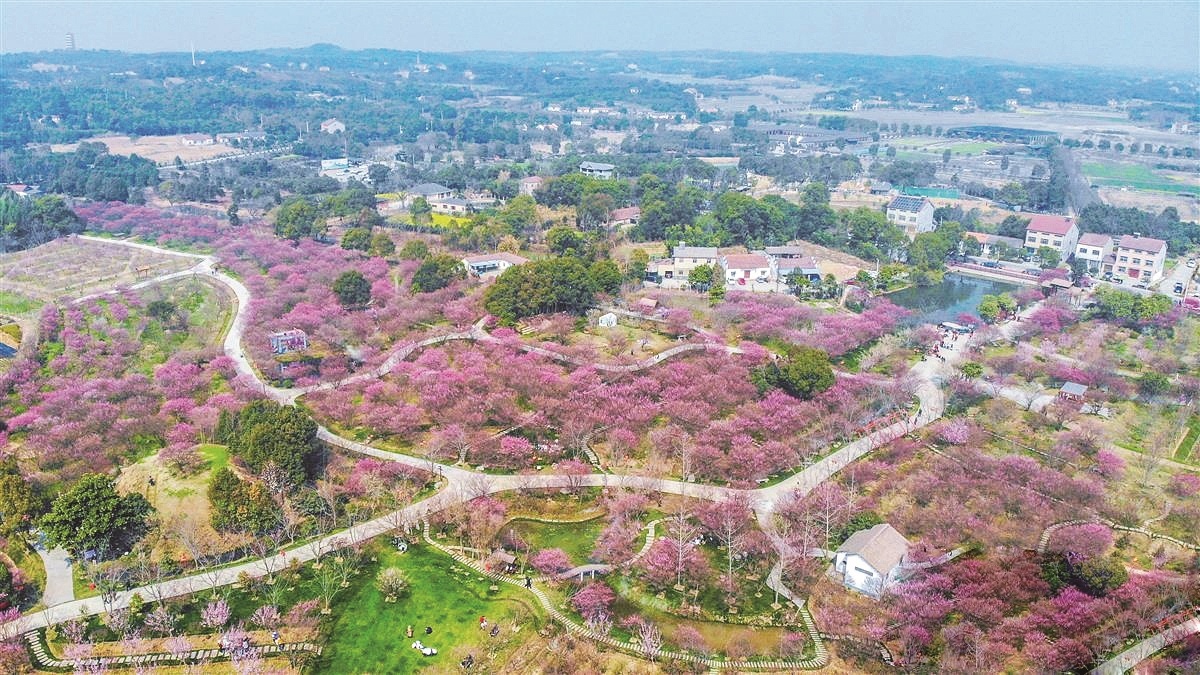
{"points": [[461, 484]]}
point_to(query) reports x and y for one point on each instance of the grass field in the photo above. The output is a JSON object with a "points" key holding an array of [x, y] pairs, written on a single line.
{"points": [[12, 303], [575, 539], [1186, 452], [368, 634], [206, 308], [31, 568], [1135, 176]]}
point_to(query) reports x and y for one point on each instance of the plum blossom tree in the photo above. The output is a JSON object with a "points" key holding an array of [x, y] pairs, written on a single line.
{"points": [[550, 561], [593, 601]]}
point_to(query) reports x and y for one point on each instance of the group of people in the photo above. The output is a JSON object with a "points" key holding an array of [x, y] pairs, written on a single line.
{"points": [[226, 647]]}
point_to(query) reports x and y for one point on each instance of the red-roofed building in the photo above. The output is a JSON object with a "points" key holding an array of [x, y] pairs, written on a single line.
{"points": [[1141, 258], [626, 216], [1057, 232], [742, 269]]}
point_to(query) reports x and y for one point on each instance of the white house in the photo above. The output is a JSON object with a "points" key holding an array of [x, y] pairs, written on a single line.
{"points": [[746, 269], [913, 214], [1093, 249], [1057, 232], [491, 264], [597, 169], [332, 126], [1141, 258], [869, 561], [197, 139], [530, 185], [608, 320]]}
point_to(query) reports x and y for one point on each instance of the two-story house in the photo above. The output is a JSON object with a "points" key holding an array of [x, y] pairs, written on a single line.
{"points": [[1057, 232], [912, 214], [530, 185], [684, 259], [598, 170], [1141, 258], [1093, 248], [333, 126], [430, 191]]}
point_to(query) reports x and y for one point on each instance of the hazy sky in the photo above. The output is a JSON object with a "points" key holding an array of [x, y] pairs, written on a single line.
{"points": [[1148, 33]]}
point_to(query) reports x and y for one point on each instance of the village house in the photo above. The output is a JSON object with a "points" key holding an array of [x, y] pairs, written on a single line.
{"points": [[197, 139], [453, 206], [530, 185], [786, 269], [913, 214], [1140, 258], [870, 560], [745, 269], [684, 259], [430, 191], [487, 265], [1057, 232], [22, 190], [626, 216], [598, 170], [990, 243], [1093, 249], [332, 126], [784, 252]]}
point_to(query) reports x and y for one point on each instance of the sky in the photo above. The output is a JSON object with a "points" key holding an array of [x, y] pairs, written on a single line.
{"points": [[1155, 34]]}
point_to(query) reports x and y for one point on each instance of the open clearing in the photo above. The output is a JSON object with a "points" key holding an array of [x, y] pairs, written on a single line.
{"points": [[158, 149], [74, 267], [1136, 176]]}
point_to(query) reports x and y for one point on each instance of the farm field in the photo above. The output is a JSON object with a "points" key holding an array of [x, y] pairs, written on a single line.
{"points": [[1136, 176], [13, 303], [160, 149], [74, 267]]}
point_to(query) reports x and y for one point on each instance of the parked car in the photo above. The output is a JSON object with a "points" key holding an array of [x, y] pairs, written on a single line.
{"points": [[1178, 289], [1191, 262], [991, 263]]}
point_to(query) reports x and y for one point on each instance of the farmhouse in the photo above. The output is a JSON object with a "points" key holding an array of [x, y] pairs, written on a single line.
{"points": [[430, 191], [626, 216], [913, 214], [785, 269], [530, 185], [687, 258], [23, 190], [1093, 249], [197, 139], [488, 265], [233, 138], [869, 561], [332, 126], [1057, 232], [784, 252], [1141, 258], [746, 268], [598, 170], [450, 205]]}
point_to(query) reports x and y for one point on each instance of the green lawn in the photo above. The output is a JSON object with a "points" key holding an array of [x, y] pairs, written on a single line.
{"points": [[11, 303], [576, 539], [31, 568], [368, 633], [1187, 448], [217, 456], [1135, 176]]}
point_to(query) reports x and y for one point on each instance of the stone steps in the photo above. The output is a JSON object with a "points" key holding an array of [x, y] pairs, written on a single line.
{"points": [[43, 660]]}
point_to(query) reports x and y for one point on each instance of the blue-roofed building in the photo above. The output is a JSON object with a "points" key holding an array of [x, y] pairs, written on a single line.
{"points": [[912, 214]]}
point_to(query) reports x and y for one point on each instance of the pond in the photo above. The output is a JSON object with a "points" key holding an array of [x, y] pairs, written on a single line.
{"points": [[945, 301]]}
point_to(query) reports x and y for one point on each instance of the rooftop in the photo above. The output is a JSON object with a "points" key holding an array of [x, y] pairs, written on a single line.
{"points": [[1147, 244], [1094, 239], [511, 258], [993, 239], [881, 546], [695, 252], [909, 204], [627, 213], [1050, 224], [1074, 388], [807, 263], [745, 261], [785, 251], [596, 166], [425, 189]]}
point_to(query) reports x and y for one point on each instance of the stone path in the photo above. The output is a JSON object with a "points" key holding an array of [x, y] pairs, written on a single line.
{"points": [[1148, 647], [43, 660]]}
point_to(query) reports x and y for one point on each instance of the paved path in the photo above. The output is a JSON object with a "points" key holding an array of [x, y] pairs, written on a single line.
{"points": [[60, 586], [43, 660], [1148, 647]]}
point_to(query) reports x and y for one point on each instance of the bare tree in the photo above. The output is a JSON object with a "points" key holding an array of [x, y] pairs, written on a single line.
{"points": [[682, 533], [651, 639]]}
